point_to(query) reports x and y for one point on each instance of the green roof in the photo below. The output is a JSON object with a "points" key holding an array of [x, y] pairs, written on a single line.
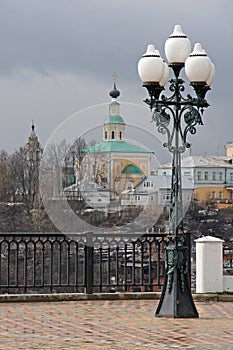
{"points": [[115, 146], [131, 169], [114, 119]]}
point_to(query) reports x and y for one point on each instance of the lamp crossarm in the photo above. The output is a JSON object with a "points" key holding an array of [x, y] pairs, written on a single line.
{"points": [[177, 114], [168, 120]]}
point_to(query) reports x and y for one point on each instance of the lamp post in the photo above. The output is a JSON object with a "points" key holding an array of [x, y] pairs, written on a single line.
{"points": [[175, 117]]}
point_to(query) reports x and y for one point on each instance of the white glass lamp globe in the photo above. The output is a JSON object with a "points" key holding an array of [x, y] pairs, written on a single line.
{"points": [[165, 76], [198, 65], [150, 66], [210, 80], [177, 46]]}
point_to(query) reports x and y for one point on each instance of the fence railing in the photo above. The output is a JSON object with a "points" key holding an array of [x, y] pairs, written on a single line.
{"points": [[228, 258], [86, 263], [53, 262]]}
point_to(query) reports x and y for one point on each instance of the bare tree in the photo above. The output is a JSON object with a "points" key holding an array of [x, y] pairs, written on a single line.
{"points": [[26, 177], [53, 167], [6, 179]]}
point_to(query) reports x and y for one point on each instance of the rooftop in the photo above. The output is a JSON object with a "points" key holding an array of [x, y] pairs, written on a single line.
{"points": [[116, 146], [114, 119], [203, 161]]}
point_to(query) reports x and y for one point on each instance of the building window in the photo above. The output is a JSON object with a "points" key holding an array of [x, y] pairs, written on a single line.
{"points": [[120, 135], [106, 135], [214, 175], [206, 175], [113, 135], [199, 175], [220, 195], [166, 197], [231, 176], [213, 195], [151, 198], [231, 195], [220, 176], [137, 198], [148, 184]]}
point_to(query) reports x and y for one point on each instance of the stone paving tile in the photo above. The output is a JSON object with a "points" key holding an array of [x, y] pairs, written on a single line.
{"points": [[112, 325]]}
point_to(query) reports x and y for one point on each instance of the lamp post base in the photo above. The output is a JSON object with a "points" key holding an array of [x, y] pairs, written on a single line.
{"points": [[175, 302]]}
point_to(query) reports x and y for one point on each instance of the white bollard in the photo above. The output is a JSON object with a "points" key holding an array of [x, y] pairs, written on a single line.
{"points": [[209, 264]]}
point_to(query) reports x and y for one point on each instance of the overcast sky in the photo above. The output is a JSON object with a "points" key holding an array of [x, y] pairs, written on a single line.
{"points": [[58, 57]]}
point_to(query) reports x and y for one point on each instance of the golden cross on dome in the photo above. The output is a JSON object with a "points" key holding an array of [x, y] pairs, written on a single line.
{"points": [[114, 77]]}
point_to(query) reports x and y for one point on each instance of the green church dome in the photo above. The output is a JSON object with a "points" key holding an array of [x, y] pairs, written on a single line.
{"points": [[131, 169], [114, 119]]}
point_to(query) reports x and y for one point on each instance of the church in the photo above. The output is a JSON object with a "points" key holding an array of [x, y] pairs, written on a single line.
{"points": [[115, 164]]}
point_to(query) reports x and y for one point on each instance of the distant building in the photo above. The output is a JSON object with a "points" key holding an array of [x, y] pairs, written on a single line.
{"points": [[114, 163], [212, 177], [229, 149], [95, 196], [32, 150], [32, 154], [156, 190]]}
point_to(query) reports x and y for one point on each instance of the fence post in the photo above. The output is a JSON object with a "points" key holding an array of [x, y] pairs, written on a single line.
{"points": [[89, 263], [209, 264]]}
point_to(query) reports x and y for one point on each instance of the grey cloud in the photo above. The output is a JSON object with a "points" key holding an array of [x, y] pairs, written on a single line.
{"points": [[91, 39]]}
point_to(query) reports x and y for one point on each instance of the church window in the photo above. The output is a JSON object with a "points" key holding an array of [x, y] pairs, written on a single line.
{"points": [[113, 135], [106, 135], [120, 135], [118, 169]]}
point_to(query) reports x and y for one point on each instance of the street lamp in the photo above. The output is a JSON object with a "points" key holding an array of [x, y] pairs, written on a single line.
{"points": [[176, 116]]}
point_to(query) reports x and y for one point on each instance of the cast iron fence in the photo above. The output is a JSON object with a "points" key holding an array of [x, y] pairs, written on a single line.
{"points": [[53, 262], [228, 258]]}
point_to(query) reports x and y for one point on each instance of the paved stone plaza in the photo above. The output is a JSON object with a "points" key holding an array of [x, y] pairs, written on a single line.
{"points": [[112, 324]]}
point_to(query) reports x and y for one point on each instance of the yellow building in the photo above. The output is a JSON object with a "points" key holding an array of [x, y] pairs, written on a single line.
{"points": [[229, 149], [212, 178]]}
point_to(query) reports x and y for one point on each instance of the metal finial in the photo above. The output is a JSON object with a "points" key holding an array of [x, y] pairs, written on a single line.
{"points": [[114, 93], [33, 126]]}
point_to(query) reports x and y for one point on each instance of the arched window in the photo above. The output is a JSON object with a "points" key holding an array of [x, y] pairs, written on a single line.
{"points": [[106, 135], [113, 135], [120, 135]]}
